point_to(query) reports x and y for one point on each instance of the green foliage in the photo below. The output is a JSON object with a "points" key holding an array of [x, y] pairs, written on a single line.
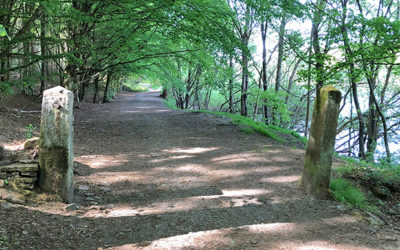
{"points": [[134, 87], [3, 32], [30, 130], [170, 103], [343, 191], [247, 130], [274, 100], [3, 240]]}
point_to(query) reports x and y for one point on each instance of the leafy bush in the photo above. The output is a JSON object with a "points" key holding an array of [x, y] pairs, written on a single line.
{"points": [[345, 192]]}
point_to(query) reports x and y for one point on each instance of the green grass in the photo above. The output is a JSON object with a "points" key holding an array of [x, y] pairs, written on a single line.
{"points": [[170, 103], [134, 87], [271, 131], [247, 130], [345, 192], [379, 173]]}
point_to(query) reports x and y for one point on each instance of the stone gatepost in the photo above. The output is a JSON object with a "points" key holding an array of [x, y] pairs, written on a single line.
{"points": [[316, 175], [56, 155]]}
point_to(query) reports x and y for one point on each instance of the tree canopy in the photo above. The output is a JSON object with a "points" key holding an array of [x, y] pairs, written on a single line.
{"points": [[262, 59]]}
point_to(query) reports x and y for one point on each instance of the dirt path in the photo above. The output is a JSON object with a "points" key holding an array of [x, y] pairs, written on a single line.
{"points": [[160, 178]]}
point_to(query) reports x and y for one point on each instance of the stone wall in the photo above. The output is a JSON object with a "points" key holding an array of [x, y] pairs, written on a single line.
{"points": [[21, 176], [19, 170]]}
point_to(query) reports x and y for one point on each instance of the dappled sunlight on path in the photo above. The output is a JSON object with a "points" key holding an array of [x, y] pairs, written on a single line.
{"points": [[153, 178]]}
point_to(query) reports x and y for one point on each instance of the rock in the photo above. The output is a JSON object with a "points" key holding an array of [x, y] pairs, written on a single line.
{"points": [[83, 188], [19, 167], [26, 186], [56, 143], [318, 161], [2, 152], [6, 205], [31, 143], [95, 207], [11, 196], [71, 207], [382, 191], [1, 183], [25, 180], [29, 174], [5, 162], [105, 189], [3, 175], [374, 220], [29, 161]]}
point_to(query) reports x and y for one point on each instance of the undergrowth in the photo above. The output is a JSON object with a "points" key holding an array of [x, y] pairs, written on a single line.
{"points": [[344, 191], [379, 180], [271, 131], [134, 87], [380, 173]]}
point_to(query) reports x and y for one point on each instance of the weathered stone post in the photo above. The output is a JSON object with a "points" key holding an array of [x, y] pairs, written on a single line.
{"points": [[318, 161], [56, 155]]}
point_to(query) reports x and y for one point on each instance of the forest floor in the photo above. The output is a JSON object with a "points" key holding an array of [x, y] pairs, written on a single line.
{"points": [[149, 177]]}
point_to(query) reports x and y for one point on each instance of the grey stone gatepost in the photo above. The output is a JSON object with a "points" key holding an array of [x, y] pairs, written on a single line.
{"points": [[316, 175], [56, 155]]}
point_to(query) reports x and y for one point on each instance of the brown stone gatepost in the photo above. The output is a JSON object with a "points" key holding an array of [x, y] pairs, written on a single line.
{"points": [[56, 143], [316, 175]]}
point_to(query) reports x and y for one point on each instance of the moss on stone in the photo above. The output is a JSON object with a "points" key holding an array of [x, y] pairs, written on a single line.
{"points": [[317, 167], [53, 169]]}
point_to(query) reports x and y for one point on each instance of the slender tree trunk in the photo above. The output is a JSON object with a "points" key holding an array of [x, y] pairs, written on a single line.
{"points": [[361, 126], [231, 107], [383, 119], [43, 79], [352, 76], [291, 78], [351, 125], [96, 89], [264, 28], [372, 128], [308, 89], [280, 54], [108, 81], [245, 85]]}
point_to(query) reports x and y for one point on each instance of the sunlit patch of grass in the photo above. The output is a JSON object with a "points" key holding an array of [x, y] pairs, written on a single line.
{"points": [[343, 191], [247, 130], [274, 132], [134, 87]]}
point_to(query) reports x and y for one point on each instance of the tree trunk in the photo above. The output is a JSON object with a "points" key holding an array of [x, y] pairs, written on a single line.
{"points": [[280, 54], [383, 119], [96, 89], [44, 70], [372, 128], [264, 28], [231, 108], [291, 78], [109, 74], [278, 78], [245, 85]]}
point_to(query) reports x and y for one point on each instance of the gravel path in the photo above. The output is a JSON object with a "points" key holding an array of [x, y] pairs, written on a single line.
{"points": [[154, 178]]}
